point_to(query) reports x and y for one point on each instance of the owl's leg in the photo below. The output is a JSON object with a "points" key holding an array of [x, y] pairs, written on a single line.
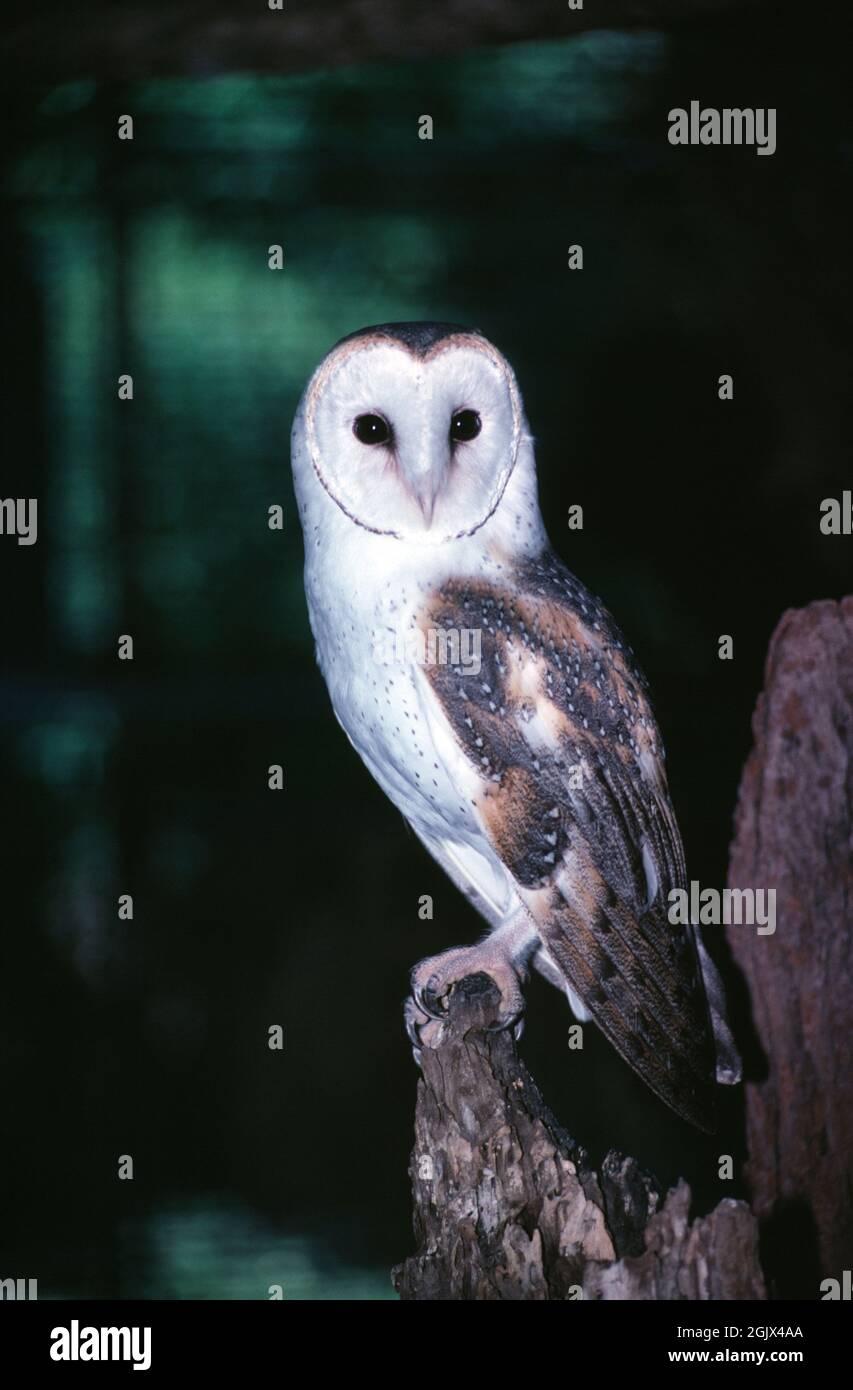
{"points": [[503, 956]]}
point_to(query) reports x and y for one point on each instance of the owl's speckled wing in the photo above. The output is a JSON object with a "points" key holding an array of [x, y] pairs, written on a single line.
{"points": [[573, 797]]}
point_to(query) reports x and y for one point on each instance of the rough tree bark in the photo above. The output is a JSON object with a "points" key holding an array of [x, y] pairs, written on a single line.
{"points": [[793, 832], [507, 1205]]}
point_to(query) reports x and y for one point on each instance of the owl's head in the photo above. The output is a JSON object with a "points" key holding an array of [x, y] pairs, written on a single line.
{"points": [[412, 429]]}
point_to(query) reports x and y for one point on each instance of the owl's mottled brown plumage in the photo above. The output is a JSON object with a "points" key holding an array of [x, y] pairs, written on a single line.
{"points": [[573, 793]]}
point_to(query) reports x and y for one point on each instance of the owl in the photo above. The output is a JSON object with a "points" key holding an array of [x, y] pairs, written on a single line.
{"points": [[496, 703]]}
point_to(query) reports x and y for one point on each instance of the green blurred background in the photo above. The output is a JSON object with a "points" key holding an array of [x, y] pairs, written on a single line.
{"points": [[300, 908]]}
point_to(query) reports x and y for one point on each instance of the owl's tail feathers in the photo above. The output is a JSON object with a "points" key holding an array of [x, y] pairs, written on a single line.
{"points": [[729, 1066]]}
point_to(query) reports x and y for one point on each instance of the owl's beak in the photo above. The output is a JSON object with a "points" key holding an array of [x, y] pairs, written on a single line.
{"points": [[425, 483], [425, 494]]}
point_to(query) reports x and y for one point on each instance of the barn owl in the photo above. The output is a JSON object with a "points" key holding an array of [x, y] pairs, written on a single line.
{"points": [[535, 774]]}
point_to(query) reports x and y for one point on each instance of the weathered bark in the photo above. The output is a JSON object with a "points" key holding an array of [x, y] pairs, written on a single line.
{"points": [[793, 832], [135, 40], [507, 1205]]}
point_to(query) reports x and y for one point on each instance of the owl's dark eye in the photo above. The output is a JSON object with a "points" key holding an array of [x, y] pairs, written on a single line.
{"points": [[465, 425], [371, 429]]}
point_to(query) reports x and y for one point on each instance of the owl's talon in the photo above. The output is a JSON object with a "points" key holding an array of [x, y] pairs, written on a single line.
{"points": [[428, 998], [410, 1022], [423, 1030], [434, 978]]}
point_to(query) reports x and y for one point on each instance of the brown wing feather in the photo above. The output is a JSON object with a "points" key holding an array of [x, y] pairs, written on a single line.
{"points": [[558, 691]]}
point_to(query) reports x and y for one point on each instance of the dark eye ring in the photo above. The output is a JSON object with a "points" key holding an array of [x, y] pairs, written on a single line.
{"points": [[465, 425], [371, 429]]}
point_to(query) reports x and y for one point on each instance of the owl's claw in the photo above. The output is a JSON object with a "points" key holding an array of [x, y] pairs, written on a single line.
{"points": [[433, 979], [422, 1030]]}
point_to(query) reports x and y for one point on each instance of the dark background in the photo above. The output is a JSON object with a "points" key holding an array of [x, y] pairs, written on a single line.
{"points": [[149, 1037]]}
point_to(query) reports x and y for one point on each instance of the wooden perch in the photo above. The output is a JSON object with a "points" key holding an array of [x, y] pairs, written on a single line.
{"points": [[793, 833], [507, 1205]]}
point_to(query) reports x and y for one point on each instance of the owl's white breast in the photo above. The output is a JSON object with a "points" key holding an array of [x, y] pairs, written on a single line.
{"points": [[364, 597]]}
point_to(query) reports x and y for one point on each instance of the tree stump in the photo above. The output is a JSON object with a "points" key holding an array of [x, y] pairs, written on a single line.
{"points": [[507, 1205], [793, 832]]}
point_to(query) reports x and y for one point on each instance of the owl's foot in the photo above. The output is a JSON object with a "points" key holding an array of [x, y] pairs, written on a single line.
{"points": [[433, 979]]}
